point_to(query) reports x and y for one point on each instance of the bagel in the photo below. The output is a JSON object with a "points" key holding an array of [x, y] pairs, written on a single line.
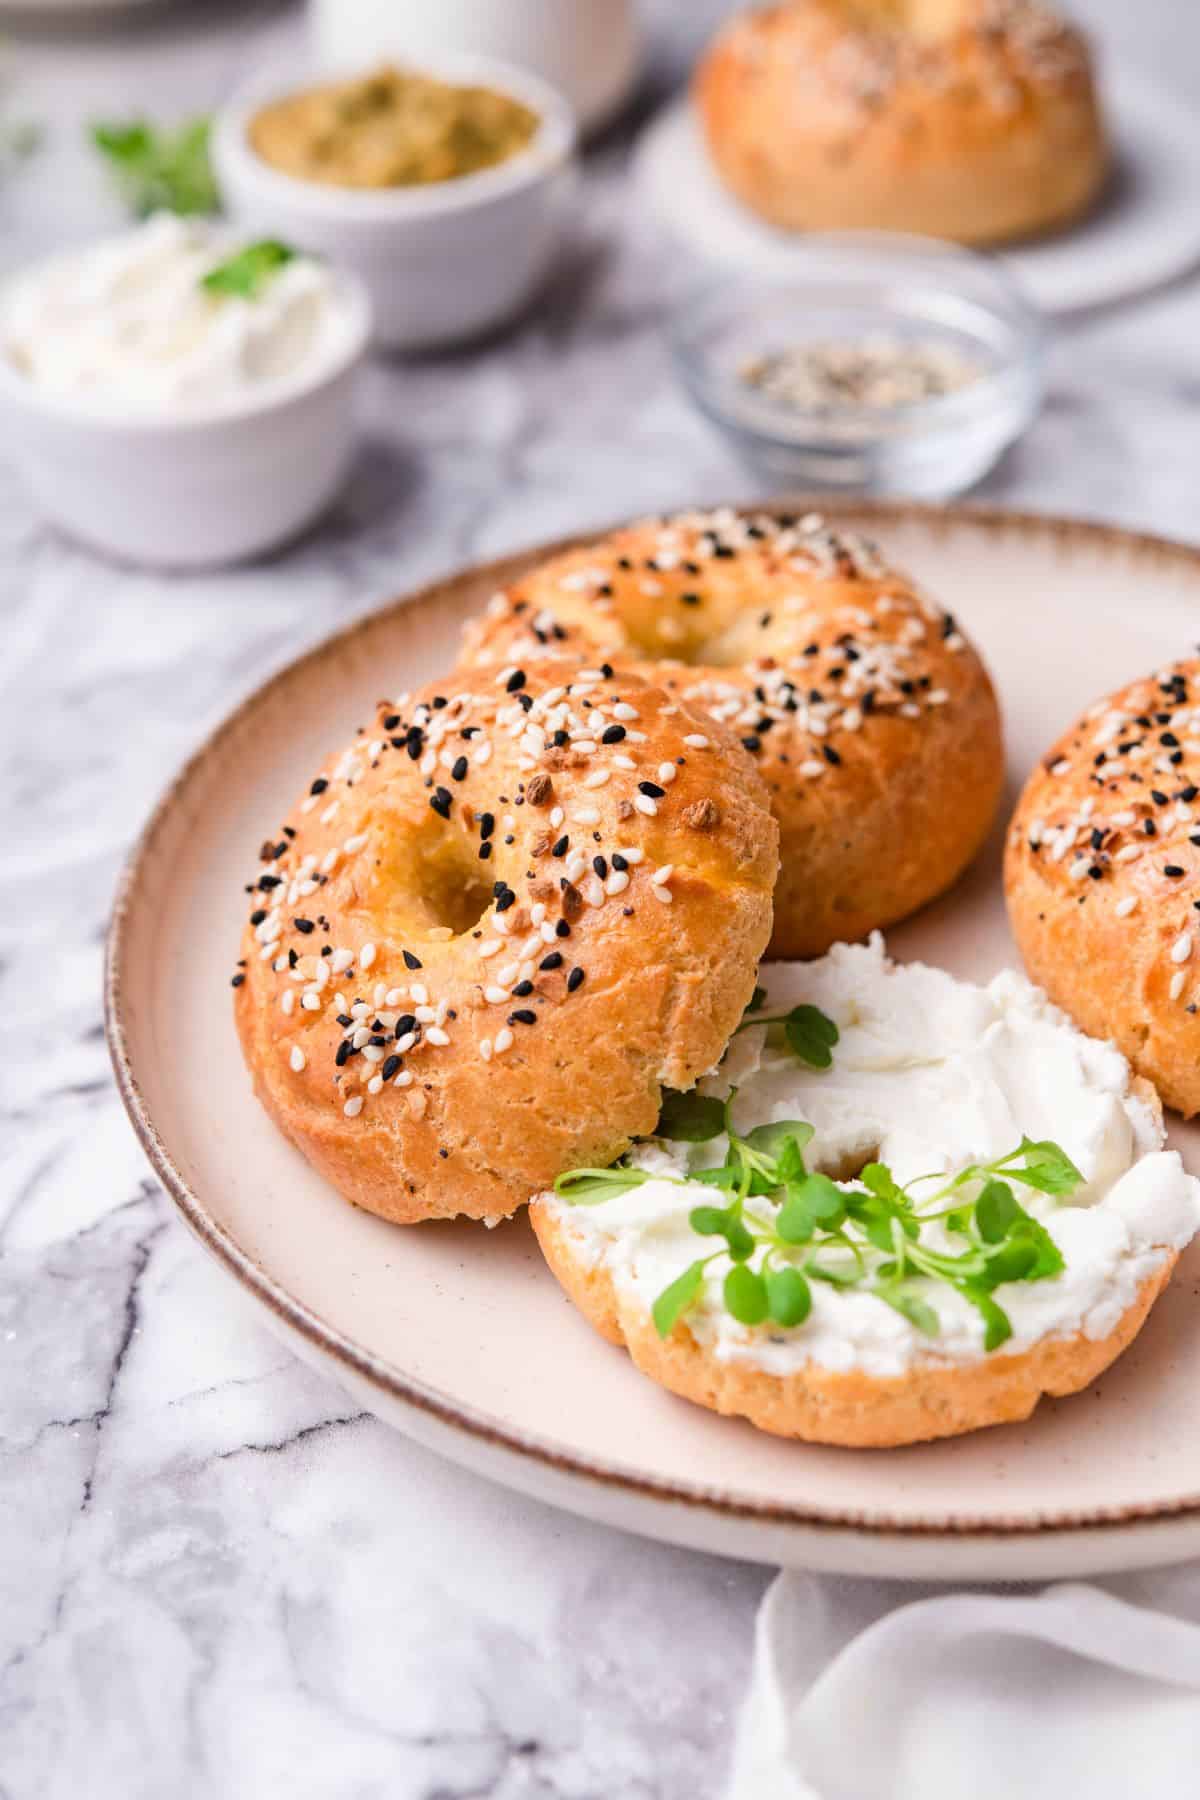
{"points": [[489, 934], [928, 1074], [1102, 876], [975, 120], [870, 716]]}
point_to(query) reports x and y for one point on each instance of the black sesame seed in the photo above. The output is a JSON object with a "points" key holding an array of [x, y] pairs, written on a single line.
{"points": [[553, 961], [258, 915], [405, 1023], [561, 848], [1158, 797], [411, 961], [391, 721], [1150, 828], [651, 789], [344, 1053], [440, 801], [238, 979], [389, 1067], [319, 785], [344, 1019], [618, 861], [562, 929], [1172, 869], [574, 980], [304, 925], [524, 1015], [752, 743], [613, 735], [459, 771], [487, 824], [600, 866], [515, 682], [377, 1039], [830, 754], [485, 851], [1169, 739], [522, 990]]}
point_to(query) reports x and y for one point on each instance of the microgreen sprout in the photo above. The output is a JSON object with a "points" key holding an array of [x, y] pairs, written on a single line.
{"points": [[808, 1032], [780, 1226], [246, 274], [159, 170]]}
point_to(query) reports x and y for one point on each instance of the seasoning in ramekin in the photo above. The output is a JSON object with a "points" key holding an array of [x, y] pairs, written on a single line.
{"points": [[878, 373], [392, 128]]}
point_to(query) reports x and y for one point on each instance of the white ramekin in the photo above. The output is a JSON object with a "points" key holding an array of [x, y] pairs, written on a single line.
{"points": [[589, 50], [200, 489], [442, 263]]}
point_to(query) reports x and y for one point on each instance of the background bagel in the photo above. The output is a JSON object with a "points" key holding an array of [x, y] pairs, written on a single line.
{"points": [[453, 984], [968, 119], [845, 1407], [870, 716], [1102, 876]]}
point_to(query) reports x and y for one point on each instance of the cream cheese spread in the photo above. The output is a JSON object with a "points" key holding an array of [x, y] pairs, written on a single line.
{"points": [[930, 1074], [127, 326]]}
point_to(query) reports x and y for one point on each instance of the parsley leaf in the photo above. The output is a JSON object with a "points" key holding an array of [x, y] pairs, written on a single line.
{"points": [[249, 271], [811, 1035], [674, 1300], [160, 170], [690, 1118]]}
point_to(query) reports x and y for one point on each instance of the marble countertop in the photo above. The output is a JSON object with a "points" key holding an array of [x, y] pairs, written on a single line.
{"points": [[217, 1578]]}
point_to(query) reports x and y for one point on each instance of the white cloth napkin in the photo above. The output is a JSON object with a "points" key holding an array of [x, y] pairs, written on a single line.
{"points": [[884, 1691]]}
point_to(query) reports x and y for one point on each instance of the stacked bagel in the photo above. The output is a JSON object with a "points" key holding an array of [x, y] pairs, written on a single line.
{"points": [[527, 905]]}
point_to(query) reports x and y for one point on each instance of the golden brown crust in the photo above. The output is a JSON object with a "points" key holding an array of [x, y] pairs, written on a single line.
{"points": [[849, 1408], [1102, 877], [871, 718], [968, 119], [501, 1084]]}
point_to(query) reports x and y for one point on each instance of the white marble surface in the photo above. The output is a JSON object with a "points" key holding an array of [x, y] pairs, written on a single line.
{"points": [[217, 1578]]}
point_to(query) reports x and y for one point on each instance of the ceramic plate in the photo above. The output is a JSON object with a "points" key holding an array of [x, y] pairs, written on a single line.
{"points": [[1146, 232], [460, 1336]]}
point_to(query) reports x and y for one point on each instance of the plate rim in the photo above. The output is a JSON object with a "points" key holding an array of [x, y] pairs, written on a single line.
{"points": [[361, 1363]]}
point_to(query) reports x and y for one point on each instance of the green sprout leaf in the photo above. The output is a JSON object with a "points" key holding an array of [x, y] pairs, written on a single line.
{"points": [[758, 1000], [814, 1201], [773, 1140], [997, 1327], [789, 1297], [1047, 1167], [996, 1212], [717, 1221], [918, 1312], [690, 1118], [247, 275], [674, 1300], [745, 1295], [811, 1035], [587, 1187], [159, 170]]}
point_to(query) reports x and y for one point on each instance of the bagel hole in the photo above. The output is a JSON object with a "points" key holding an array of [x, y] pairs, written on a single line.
{"points": [[850, 1164], [442, 881]]}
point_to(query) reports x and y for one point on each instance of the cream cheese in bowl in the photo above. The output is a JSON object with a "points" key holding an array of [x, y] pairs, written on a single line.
{"points": [[930, 1077], [175, 317], [182, 395]]}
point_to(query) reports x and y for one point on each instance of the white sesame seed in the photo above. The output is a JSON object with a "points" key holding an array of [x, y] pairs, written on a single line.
{"points": [[354, 844], [485, 1049], [576, 866], [621, 761], [507, 975], [548, 933], [329, 861], [495, 996], [330, 813], [403, 1079], [375, 1085], [437, 1036], [1181, 949], [810, 770], [311, 1003], [287, 999], [353, 1106], [268, 950], [297, 1059], [593, 891], [425, 1015], [1128, 853], [406, 1042], [489, 947], [373, 1053], [623, 710], [394, 996], [557, 815], [632, 856], [586, 815], [366, 956], [1126, 906], [662, 893], [646, 804], [667, 773], [341, 960], [597, 778], [420, 993], [616, 884], [502, 1041], [695, 740], [361, 1036], [1177, 983], [660, 876], [1060, 767]]}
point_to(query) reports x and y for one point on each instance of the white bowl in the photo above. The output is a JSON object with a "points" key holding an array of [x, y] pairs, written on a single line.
{"points": [[590, 51], [200, 489], [442, 262]]}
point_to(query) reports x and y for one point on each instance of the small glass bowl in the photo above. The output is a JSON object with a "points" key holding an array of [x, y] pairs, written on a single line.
{"points": [[847, 286]]}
